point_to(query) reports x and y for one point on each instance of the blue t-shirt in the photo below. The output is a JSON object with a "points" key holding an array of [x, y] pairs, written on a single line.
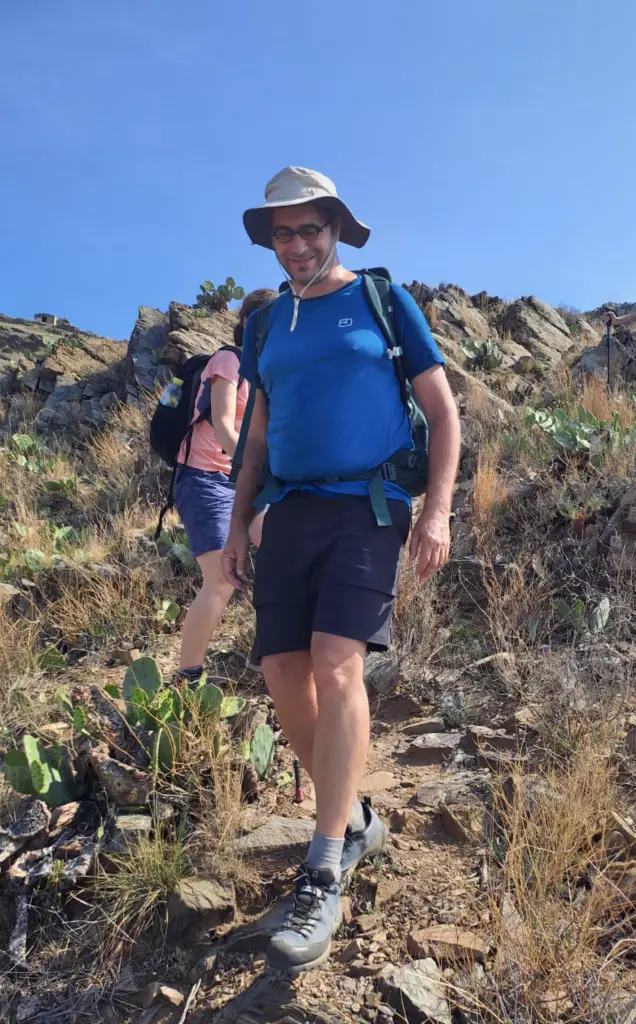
{"points": [[334, 399]]}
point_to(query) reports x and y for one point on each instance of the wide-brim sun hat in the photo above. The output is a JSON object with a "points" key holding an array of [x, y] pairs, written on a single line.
{"points": [[296, 185]]}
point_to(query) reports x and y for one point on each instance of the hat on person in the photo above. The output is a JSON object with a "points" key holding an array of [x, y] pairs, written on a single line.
{"points": [[296, 185]]}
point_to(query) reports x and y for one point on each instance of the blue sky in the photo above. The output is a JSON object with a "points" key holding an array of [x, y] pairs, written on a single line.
{"points": [[489, 144]]}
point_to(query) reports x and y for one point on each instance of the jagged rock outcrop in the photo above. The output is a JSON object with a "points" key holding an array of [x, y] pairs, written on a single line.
{"points": [[527, 329], [82, 377], [79, 374], [622, 358], [160, 342], [539, 329]]}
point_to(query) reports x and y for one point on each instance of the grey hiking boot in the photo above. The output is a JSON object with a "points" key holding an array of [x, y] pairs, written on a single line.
{"points": [[359, 846], [304, 941]]}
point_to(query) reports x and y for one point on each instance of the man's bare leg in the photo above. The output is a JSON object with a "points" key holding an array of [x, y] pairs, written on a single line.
{"points": [[291, 686], [341, 738]]}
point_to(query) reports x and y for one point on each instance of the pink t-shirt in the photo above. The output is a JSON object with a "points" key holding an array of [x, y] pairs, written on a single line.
{"points": [[205, 451]]}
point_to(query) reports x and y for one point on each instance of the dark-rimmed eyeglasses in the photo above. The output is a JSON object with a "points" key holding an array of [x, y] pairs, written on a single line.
{"points": [[308, 232]]}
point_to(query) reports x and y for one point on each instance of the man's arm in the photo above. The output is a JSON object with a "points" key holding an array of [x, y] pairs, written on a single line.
{"points": [[243, 512], [430, 540], [619, 321]]}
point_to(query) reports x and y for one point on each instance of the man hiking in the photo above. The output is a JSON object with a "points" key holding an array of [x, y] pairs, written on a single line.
{"points": [[328, 417]]}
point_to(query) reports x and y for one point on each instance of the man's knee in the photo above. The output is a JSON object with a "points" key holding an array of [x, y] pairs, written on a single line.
{"points": [[282, 670], [338, 662]]}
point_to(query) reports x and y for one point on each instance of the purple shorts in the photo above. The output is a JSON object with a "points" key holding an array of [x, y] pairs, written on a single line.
{"points": [[204, 501]]}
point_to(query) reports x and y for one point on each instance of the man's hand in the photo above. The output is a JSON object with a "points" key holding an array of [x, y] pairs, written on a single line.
{"points": [[234, 557], [609, 317], [430, 543]]}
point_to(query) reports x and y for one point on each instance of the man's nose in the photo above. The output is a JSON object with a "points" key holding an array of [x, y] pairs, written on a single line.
{"points": [[298, 246]]}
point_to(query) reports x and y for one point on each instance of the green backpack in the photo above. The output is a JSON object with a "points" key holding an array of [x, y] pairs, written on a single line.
{"points": [[407, 469]]}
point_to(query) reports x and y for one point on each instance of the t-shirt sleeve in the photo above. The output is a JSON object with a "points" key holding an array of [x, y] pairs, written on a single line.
{"points": [[418, 344], [223, 364]]}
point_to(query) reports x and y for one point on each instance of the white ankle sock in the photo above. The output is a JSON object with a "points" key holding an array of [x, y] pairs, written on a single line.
{"points": [[325, 854]]}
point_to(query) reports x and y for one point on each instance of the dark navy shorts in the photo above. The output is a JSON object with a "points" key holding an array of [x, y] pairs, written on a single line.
{"points": [[204, 501], [324, 565]]}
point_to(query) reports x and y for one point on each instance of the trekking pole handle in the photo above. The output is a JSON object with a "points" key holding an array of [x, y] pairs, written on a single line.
{"points": [[300, 796]]}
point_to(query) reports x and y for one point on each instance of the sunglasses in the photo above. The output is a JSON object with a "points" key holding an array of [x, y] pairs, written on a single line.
{"points": [[308, 232]]}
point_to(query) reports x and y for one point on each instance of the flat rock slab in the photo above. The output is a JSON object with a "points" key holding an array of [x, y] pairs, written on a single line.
{"points": [[447, 945], [418, 990], [278, 834], [128, 830], [463, 823], [434, 748], [480, 737], [378, 782], [198, 905], [434, 723]]}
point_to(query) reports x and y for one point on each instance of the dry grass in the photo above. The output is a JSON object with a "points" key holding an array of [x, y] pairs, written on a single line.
{"points": [[552, 870], [595, 398], [489, 495], [134, 892], [415, 625]]}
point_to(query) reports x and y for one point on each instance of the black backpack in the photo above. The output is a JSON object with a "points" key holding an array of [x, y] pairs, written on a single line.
{"points": [[171, 425], [407, 469]]}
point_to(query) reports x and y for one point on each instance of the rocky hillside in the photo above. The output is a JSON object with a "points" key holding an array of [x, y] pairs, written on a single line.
{"points": [[80, 377], [145, 834]]}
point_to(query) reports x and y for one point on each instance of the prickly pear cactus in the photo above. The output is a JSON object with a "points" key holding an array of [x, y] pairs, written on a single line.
{"points": [[262, 750]]}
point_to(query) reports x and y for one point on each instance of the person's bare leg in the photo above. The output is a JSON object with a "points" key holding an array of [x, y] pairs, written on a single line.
{"points": [[292, 688], [341, 739], [205, 612]]}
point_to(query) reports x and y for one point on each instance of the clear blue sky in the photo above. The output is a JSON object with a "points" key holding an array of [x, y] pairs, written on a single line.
{"points": [[489, 144]]}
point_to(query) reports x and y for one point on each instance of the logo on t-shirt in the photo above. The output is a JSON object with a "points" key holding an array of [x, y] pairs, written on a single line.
{"points": [[345, 322]]}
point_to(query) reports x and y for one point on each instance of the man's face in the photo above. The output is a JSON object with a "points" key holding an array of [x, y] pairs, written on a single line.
{"points": [[301, 257]]}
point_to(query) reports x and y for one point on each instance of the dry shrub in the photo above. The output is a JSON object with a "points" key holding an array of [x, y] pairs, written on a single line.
{"points": [[18, 646], [554, 890], [414, 628], [518, 604], [595, 398], [432, 314], [117, 604], [489, 495]]}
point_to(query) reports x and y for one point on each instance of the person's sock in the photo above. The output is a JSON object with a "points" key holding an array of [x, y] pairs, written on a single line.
{"points": [[325, 854], [357, 821]]}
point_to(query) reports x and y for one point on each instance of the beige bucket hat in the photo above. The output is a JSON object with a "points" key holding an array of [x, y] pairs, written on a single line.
{"points": [[293, 186]]}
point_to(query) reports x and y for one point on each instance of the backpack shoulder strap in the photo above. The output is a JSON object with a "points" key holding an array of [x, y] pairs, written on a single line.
{"points": [[261, 330], [261, 326], [377, 292]]}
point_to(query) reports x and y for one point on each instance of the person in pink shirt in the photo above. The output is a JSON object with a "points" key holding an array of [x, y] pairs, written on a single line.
{"points": [[204, 495]]}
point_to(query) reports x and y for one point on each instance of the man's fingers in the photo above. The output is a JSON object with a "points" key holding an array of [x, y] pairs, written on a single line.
{"points": [[437, 556], [414, 545], [234, 570], [426, 553]]}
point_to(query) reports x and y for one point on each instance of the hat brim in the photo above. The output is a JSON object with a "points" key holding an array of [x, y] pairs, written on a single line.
{"points": [[257, 221]]}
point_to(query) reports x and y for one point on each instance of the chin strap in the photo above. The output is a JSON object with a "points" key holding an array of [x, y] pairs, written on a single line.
{"points": [[320, 274]]}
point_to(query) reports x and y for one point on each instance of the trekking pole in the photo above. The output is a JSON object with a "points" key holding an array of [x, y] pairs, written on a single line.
{"points": [[609, 349], [300, 796]]}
